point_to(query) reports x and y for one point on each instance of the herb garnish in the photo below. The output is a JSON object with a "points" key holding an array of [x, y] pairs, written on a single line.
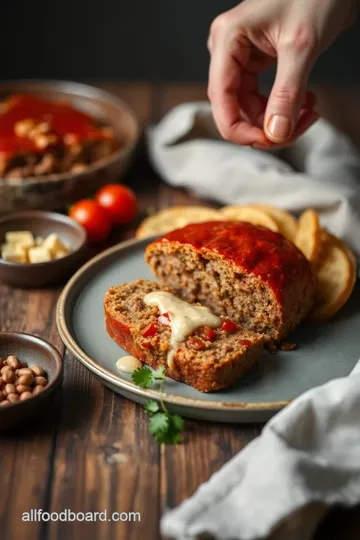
{"points": [[165, 427]]}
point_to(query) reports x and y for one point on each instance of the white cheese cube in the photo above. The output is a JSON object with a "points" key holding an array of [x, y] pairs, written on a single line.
{"points": [[39, 255], [61, 253], [13, 254], [21, 238], [54, 244]]}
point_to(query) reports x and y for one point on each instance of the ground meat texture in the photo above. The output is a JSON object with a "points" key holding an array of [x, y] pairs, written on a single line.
{"points": [[206, 364], [247, 273]]}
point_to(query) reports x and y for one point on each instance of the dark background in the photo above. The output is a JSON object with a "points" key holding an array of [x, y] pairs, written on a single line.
{"points": [[138, 40]]}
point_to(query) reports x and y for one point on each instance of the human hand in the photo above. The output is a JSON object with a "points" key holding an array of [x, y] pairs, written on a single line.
{"points": [[245, 41]]}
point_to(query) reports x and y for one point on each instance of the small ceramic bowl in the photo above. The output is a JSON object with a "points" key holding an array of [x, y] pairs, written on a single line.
{"points": [[33, 351], [42, 224]]}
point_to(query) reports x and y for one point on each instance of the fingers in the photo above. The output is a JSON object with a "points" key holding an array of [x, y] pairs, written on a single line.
{"points": [[295, 61], [306, 119], [230, 53], [225, 79]]}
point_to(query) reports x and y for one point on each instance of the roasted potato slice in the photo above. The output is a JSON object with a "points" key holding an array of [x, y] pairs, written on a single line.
{"points": [[174, 218], [336, 274], [285, 221], [308, 238], [250, 214]]}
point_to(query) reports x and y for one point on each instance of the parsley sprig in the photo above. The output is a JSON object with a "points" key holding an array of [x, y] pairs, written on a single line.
{"points": [[165, 427]]}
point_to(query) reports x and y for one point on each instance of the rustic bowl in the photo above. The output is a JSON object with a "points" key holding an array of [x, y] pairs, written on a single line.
{"points": [[57, 190], [33, 351], [42, 223]]}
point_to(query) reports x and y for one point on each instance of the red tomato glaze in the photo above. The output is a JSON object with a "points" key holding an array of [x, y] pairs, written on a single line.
{"points": [[254, 249], [62, 118]]}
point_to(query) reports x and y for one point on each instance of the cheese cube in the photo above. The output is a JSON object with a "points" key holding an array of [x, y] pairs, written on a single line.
{"points": [[54, 244], [13, 254], [21, 238], [39, 255], [61, 253]]}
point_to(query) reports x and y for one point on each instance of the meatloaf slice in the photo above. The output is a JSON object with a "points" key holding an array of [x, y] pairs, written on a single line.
{"points": [[208, 360], [247, 273]]}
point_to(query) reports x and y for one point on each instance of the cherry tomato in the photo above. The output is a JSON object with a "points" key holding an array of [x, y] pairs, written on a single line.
{"points": [[119, 202], [93, 218]]}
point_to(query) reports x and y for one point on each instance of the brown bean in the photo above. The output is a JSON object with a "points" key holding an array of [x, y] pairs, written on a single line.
{"points": [[16, 371], [22, 388], [25, 395], [13, 361], [2, 384], [38, 370], [40, 380], [13, 398], [23, 364], [1, 362], [9, 389], [37, 389], [4, 368], [9, 376], [25, 379], [25, 371], [6, 402]]}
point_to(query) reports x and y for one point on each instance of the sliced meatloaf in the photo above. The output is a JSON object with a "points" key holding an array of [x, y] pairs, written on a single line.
{"points": [[247, 273], [209, 359]]}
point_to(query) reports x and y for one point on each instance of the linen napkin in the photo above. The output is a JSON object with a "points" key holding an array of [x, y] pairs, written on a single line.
{"points": [[321, 170], [307, 457], [280, 486]]}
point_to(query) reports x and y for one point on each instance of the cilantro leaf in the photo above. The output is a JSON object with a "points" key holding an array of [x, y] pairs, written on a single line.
{"points": [[159, 424], [160, 373], [143, 377], [171, 437], [151, 407], [176, 422]]}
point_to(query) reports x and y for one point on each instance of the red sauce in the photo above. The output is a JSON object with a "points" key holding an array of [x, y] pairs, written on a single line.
{"points": [[245, 342], [62, 118], [254, 249]]}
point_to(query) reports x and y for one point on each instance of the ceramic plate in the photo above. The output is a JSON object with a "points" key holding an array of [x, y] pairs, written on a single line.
{"points": [[323, 351]]}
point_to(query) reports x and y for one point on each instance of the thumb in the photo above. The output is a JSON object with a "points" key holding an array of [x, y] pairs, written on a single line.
{"points": [[287, 94]]}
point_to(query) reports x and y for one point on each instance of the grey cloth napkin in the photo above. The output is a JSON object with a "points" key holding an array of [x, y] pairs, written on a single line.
{"points": [[308, 456], [280, 486], [321, 170]]}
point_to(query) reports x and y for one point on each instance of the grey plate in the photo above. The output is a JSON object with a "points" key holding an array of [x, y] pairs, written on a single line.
{"points": [[324, 352]]}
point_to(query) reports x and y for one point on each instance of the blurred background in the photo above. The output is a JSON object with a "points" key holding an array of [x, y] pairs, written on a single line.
{"points": [[138, 40]]}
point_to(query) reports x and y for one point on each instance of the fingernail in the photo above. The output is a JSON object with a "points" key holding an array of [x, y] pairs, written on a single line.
{"points": [[279, 128]]}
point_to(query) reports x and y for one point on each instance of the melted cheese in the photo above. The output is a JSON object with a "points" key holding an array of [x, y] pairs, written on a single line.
{"points": [[128, 364], [184, 318]]}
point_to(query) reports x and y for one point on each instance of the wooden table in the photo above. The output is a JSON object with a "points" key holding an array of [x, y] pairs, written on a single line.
{"points": [[93, 451]]}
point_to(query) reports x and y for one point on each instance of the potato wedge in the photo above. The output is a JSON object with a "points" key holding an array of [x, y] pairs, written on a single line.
{"points": [[175, 217], [336, 274], [250, 214], [285, 221], [308, 237]]}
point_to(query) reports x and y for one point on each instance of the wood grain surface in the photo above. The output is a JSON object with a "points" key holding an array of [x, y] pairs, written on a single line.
{"points": [[92, 451]]}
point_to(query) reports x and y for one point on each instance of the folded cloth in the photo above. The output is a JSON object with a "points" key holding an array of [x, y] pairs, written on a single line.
{"points": [[321, 170], [281, 484]]}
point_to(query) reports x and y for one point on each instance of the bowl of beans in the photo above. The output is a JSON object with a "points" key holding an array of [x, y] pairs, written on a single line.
{"points": [[30, 372]]}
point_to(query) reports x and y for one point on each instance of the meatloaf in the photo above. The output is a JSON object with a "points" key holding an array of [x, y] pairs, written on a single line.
{"points": [[40, 137], [247, 273], [209, 359]]}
